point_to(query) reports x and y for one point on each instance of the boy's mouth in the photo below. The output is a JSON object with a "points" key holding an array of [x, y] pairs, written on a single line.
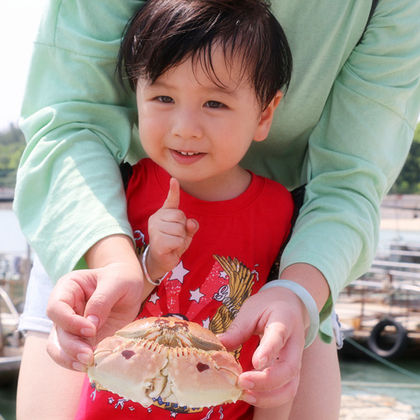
{"points": [[185, 157]]}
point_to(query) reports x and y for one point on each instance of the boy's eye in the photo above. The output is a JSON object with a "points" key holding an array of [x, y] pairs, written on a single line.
{"points": [[164, 99], [214, 104]]}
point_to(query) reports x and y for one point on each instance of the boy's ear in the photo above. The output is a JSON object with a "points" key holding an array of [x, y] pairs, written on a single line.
{"points": [[266, 118]]}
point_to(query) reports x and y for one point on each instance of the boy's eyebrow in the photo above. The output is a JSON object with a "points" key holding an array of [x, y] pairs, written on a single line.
{"points": [[213, 88]]}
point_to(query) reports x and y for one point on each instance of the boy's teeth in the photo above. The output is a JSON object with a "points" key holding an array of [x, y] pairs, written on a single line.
{"points": [[188, 153]]}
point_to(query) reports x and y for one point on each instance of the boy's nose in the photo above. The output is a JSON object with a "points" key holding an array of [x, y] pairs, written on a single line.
{"points": [[187, 125]]}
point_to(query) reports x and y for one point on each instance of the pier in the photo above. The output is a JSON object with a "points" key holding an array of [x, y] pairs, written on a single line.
{"points": [[374, 407], [382, 308]]}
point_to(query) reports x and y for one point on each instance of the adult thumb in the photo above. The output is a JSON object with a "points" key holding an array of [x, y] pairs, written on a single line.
{"points": [[240, 330]]}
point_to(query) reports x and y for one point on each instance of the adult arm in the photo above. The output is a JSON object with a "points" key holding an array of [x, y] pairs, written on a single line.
{"points": [[77, 120], [45, 390], [358, 148]]}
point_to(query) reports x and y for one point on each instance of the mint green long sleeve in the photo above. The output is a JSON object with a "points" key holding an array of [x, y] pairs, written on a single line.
{"points": [[344, 128], [359, 144], [77, 121]]}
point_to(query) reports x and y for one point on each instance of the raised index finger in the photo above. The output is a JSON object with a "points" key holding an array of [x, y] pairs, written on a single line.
{"points": [[172, 200]]}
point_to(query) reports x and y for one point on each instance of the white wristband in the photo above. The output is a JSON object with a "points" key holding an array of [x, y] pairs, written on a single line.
{"points": [[144, 268], [307, 300]]}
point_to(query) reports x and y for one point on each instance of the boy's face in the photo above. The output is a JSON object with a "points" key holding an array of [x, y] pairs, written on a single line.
{"points": [[195, 129]]}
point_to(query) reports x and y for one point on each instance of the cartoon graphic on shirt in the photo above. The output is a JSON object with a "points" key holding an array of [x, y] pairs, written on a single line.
{"points": [[232, 295], [229, 282]]}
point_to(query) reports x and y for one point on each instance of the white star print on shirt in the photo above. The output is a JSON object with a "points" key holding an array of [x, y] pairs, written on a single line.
{"points": [[154, 298], [196, 295], [179, 272]]}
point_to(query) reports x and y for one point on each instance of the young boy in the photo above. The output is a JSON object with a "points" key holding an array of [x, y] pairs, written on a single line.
{"points": [[207, 76]]}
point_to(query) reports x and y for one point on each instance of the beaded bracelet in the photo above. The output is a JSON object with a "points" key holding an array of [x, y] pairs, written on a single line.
{"points": [[307, 300], [144, 268]]}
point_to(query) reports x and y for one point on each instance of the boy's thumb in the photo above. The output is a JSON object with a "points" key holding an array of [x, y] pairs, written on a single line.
{"points": [[172, 199]]}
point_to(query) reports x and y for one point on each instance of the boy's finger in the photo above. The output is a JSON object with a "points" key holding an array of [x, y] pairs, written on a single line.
{"points": [[172, 200], [191, 227]]}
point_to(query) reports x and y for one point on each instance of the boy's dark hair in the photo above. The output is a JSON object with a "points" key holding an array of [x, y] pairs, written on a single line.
{"points": [[163, 33]]}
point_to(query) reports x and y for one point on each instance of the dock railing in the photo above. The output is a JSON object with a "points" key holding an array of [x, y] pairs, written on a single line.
{"points": [[389, 290]]}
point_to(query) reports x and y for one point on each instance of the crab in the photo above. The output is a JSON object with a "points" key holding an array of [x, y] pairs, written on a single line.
{"points": [[166, 360]]}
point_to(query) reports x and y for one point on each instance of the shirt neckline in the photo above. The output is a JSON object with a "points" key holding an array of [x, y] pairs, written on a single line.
{"points": [[214, 207]]}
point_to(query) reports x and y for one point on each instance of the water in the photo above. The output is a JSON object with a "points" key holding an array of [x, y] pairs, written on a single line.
{"points": [[8, 401], [367, 376]]}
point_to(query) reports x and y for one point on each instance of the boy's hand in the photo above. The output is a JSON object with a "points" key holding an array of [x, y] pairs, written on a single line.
{"points": [[170, 234], [88, 305]]}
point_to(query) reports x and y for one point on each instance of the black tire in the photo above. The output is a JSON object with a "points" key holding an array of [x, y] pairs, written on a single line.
{"points": [[394, 345]]}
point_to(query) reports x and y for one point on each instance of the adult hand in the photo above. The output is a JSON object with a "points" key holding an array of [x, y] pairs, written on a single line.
{"points": [[278, 316], [88, 305]]}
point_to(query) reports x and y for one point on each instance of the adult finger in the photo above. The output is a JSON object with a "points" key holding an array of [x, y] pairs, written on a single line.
{"points": [[115, 301], [272, 341], [66, 305], [64, 316], [68, 351], [172, 200], [76, 348], [102, 301], [273, 398], [284, 368]]}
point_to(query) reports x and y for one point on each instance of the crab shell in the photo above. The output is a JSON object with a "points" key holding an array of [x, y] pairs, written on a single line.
{"points": [[166, 359]]}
